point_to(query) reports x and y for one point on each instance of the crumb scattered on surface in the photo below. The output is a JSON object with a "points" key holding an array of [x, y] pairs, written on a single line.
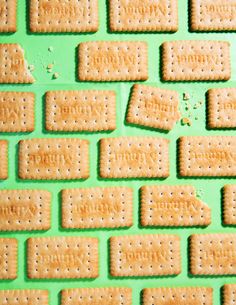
{"points": [[31, 68], [49, 66], [186, 121], [50, 49], [186, 96], [55, 75], [49, 70]]}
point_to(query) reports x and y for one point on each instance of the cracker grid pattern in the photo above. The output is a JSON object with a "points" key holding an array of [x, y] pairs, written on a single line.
{"points": [[27, 297], [8, 259], [229, 204], [8, 16], [3, 159], [229, 294]]}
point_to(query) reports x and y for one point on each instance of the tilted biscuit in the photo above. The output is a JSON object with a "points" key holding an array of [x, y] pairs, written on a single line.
{"points": [[196, 60], [153, 107], [3, 159], [113, 61], [84, 110], [143, 16], [62, 257], [213, 15], [16, 111], [229, 292], [229, 204], [24, 210], [8, 16], [167, 205], [145, 255], [132, 157], [222, 108], [24, 297], [213, 254], [109, 295], [13, 66], [54, 159], [207, 156], [8, 259], [97, 207]]}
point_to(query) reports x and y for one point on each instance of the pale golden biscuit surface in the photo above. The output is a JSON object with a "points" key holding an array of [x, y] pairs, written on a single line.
{"points": [[62, 257], [196, 60], [145, 255], [24, 297], [97, 207], [85, 110], [8, 15], [113, 61], [8, 259], [229, 292], [54, 159], [3, 159], [229, 204]]}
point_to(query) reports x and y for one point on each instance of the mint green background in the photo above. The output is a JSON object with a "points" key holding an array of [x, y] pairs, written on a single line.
{"points": [[64, 45]]}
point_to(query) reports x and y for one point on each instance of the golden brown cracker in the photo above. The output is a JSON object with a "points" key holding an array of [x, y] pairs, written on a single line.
{"points": [[113, 61], [56, 159], [24, 297], [3, 159], [8, 16], [229, 204], [153, 107], [8, 259], [62, 257], [167, 205], [132, 157], [84, 110], [229, 292], [108, 207], [145, 255], [196, 60]]}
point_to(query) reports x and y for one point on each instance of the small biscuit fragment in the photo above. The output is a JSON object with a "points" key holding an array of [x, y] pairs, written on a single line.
{"points": [[213, 254], [196, 60], [26, 297], [229, 292], [153, 107], [109, 207], [85, 110], [107, 295], [222, 107], [16, 111], [8, 16], [145, 255], [207, 156], [24, 210], [3, 159], [132, 157], [13, 66], [178, 295], [54, 159], [143, 16], [8, 259], [62, 257], [229, 204], [167, 205], [113, 61], [213, 15]]}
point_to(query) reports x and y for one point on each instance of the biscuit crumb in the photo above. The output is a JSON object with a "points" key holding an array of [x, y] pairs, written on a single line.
{"points": [[186, 96], [186, 121], [55, 75]]}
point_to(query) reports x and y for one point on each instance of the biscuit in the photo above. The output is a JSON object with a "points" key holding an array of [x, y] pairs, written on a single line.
{"points": [[222, 107], [8, 259], [16, 111], [26, 297], [229, 292], [113, 61], [207, 156], [166, 205], [143, 16], [62, 257], [133, 157], [13, 66], [213, 15], [85, 110], [229, 204], [213, 254], [196, 60], [109, 207], [22, 210], [153, 107], [3, 159], [54, 159], [8, 16], [110, 295], [145, 255], [178, 295], [63, 16]]}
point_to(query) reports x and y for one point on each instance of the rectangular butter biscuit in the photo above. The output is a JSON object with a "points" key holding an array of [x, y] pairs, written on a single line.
{"points": [[133, 157], [145, 255], [22, 210], [62, 257], [212, 156], [8, 16], [85, 110], [196, 60], [213, 254], [113, 61], [8, 259], [3, 159], [109, 207], [24, 297], [228, 293], [54, 159], [229, 204]]}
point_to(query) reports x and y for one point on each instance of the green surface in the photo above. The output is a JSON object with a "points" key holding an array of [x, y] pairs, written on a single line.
{"points": [[64, 45]]}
